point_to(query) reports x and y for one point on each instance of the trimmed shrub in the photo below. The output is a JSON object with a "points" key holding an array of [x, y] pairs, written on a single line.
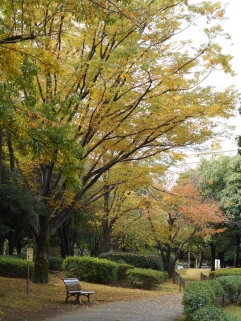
{"points": [[211, 313], [90, 269], [19, 256], [231, 285], [224, 272], [55, 263], [197, 295], [200, 298], [145, 261], [14, 267], [145, 278], [216, 287], [122, 271]]}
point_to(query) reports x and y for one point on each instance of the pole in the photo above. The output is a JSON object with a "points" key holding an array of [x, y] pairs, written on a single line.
{"points": [[28, 281], [29, 257]]}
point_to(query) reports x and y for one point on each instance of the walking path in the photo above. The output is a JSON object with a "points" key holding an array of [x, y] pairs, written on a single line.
{"points": [[164, 308]]}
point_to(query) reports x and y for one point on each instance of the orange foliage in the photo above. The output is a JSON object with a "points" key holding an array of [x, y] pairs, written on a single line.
{"points": [[201, 214]]}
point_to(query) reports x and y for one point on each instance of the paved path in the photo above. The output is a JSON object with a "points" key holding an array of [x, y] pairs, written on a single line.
{"points": [[166, 308]]}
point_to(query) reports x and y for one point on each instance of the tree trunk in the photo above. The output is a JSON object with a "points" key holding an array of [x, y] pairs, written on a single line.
{"points": [[167, 259], [41, 231], [42, 248], [236, 253], [2, 239], [213, 254], [106, 224], [221, 257], [62, 243], [200, 260], [94, 245], [64, 240], [11, 243], [105, 238], [1, 155], [19, 246], [10, 150], [166, 254]]}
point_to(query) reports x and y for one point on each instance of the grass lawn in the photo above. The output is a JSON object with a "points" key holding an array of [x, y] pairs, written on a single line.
{"points": [[233, 311], [192, 274], [48, 300]]}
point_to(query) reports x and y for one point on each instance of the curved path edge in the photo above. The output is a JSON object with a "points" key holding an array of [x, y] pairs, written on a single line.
{"points": [[163, 308]]}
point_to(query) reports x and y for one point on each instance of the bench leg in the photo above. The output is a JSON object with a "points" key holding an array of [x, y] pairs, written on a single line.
{"points": [[66, 297], [87, 296], [78, 298]]}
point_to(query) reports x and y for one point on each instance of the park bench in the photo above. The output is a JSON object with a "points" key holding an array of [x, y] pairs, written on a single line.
{"points": [[73, 288]]}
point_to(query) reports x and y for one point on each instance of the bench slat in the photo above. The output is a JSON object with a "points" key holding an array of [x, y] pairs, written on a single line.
{"points": [[73, 288]]}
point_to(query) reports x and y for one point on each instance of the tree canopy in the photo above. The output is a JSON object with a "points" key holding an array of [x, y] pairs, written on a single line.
{"points": [[220, 179], [176, 215], [87, 85]]}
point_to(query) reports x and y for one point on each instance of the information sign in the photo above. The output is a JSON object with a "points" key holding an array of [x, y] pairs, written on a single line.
{"points": [[29, 255]]}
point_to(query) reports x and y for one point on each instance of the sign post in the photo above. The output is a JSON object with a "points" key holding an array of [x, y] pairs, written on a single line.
{"points": [[29, 259]]}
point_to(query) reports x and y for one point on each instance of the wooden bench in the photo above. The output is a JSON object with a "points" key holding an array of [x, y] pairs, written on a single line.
{"points": [[73, 288]]}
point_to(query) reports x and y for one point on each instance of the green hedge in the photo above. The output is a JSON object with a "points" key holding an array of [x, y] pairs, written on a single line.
{"points": [[145, 261], [197, 295], [90, 269], [55, 263], [122, 271], [211, 313], [200, 298], [231, 285], [224, 272], [216, 287], [14, 267], [145, 278]]}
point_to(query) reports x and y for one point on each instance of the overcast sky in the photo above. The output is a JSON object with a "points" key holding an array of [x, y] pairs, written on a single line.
{"points": [[233, 26]]}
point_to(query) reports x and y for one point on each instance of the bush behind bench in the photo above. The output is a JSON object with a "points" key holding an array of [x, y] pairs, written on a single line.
{"points": [[145, 278], [145, 261], [90, 269]]}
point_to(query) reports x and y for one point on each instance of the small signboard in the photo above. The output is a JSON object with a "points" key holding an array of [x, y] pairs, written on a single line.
{"points": [[29, 255], [217, 264]]}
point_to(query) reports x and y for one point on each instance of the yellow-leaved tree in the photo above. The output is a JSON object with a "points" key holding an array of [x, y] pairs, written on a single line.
{"points": [[87, 85]]}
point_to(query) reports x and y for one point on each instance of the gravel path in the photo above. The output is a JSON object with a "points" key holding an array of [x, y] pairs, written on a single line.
{"points": [[165, 308]]}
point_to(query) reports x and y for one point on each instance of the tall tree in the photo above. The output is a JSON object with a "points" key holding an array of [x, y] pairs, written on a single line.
{"points": [[176, 216], [87, 85], [220, 179], [17, 207], [112, 201]]}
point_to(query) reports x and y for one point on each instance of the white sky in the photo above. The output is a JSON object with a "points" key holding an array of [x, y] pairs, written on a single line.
{"points": [[233, 26]]}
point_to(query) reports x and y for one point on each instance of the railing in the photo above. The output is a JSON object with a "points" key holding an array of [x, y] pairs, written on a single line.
{"points": [[177, 279], [203, 277]]}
